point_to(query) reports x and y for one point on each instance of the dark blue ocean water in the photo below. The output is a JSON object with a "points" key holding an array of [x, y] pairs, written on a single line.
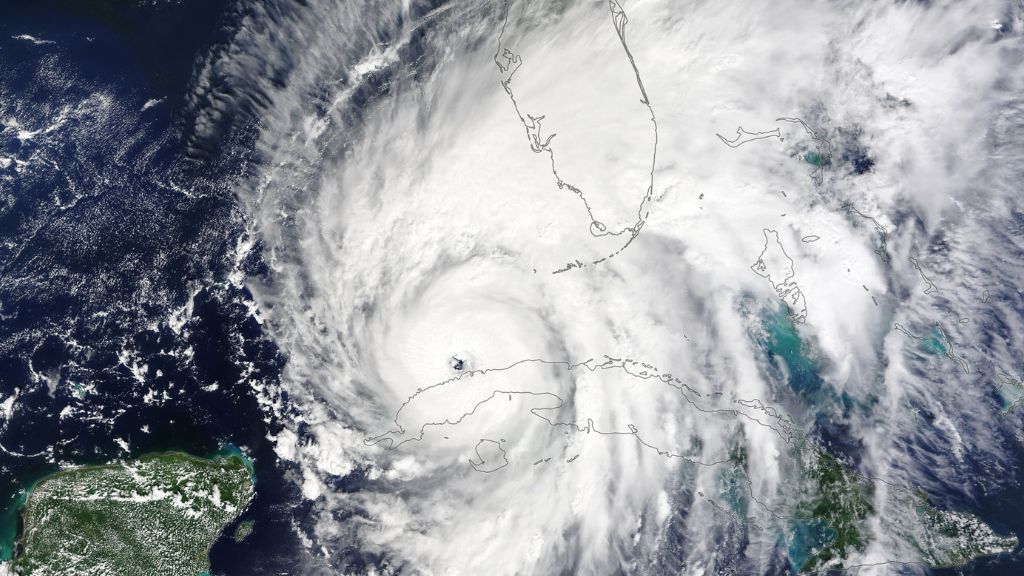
{"points": [[99, 241]]}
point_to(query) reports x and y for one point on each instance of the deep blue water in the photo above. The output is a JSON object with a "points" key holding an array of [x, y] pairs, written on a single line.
{"points": [[99, 244]]}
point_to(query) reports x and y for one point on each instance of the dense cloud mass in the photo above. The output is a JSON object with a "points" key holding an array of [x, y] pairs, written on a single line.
{"points": [[617, 287]]}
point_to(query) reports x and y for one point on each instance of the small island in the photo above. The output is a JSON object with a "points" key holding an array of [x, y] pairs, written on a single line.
{"points": [[156, 515], [243, 530]]}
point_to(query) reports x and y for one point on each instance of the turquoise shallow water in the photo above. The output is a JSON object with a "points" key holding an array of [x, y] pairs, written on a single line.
{"points": [[781, 342], [9, 526], [233, 450], [1011, 395], [734, 490], [11, 512], [804, 537], [934, 343], [814, 158], [796, 362]]}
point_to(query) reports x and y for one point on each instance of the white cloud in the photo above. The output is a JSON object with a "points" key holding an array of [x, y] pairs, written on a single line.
{"points": [[416, 224]]}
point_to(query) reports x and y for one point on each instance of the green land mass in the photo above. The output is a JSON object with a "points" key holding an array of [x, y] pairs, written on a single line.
{"points": [[831, 512], [831, 521], [243, 530], [946, 538], [157, 515], [832, 516]]}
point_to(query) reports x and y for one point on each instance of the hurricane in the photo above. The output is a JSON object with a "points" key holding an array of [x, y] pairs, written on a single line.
{"points": [[636, 286]]}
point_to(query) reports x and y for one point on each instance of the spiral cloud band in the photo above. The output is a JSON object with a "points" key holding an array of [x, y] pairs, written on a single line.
{"points": [[644, 286]]}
